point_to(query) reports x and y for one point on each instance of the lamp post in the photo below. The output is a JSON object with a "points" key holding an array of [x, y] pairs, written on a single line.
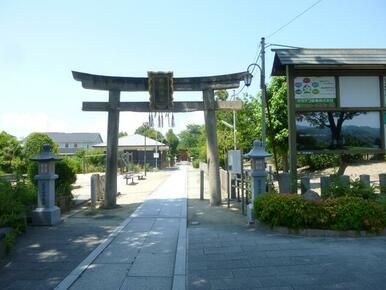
{"points": [[263, 87], [258, 174], [47, 213], [144, 158], [248, 81], [156, 150]]}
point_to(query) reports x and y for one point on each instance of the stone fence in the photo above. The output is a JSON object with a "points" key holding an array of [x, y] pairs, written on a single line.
{"points": [[325, 181], [224, 181]]}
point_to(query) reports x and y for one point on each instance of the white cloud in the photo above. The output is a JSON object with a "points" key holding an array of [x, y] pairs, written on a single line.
{"points": [[21, 124]]}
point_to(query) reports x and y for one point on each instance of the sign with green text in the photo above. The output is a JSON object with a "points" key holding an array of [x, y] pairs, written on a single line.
{"points": [[315, 92]]}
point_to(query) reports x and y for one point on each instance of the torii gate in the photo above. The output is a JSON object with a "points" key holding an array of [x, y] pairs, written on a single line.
{"points": [[115, 85]]}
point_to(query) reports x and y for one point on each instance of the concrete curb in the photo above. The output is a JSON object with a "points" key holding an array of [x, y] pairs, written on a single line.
{"points": [[318, 232], [179, 276]]}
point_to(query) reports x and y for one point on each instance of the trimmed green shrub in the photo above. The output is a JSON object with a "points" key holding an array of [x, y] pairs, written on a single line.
{"points": [[355, 213], [318, 161], [340, 213], [280, 210]]}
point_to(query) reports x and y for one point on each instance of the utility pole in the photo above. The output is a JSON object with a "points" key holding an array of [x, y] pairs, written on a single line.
{"points": [[144, 158], [234, 124], [156, 149], [263, 93]]}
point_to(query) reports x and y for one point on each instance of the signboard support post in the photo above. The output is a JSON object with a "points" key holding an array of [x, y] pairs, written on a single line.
{"points": [[292, 130]]}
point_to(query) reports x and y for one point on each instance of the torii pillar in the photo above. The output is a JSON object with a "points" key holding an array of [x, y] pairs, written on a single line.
{"points": [[112, 150], [209, 105], [212, 148]]}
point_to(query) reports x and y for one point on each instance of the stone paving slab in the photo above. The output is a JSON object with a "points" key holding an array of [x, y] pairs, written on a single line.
{"points": [[247, 258], [148, 251], [147, 283]]}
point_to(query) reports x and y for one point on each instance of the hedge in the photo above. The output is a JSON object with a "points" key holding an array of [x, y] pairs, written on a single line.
{"points": [[340, 213]]}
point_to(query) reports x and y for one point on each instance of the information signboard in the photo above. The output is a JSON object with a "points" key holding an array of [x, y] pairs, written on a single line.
{"points": [[315, 92], [234, 161]]}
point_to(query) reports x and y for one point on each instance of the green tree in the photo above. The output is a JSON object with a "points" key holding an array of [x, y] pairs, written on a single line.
{"points": [[122, 134], [172, 141], [33, 144], [277, 121], [247, 120], [193, 140], [146, 130], [11, 155]]}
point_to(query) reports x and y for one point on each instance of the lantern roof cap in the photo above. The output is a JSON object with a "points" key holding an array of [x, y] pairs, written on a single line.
{"points": [[46, 154], [257, 151]]}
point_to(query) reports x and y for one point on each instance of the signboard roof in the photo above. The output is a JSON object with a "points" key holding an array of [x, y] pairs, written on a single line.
{"points": [[323, 56]]}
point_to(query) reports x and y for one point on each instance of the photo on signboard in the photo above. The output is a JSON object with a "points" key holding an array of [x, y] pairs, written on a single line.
{"points": [[338, 131]]}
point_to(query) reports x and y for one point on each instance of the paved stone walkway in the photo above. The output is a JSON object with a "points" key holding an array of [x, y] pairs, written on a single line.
{"points": [[239, 257], [43, 256], [148, 250]]}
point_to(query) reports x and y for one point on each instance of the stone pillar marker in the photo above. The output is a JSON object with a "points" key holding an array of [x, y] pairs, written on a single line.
{"points": [[325, 182], [382, 182], [305, 184], [284, 182], [47, 213], [365, 180], [94, 189], [344, 180]]}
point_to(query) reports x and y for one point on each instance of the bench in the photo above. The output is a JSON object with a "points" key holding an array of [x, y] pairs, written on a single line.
{"points": [[132, 175]]}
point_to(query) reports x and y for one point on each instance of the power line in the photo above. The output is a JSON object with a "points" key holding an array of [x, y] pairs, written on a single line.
{"points": [[239, 91], [293, 19]]}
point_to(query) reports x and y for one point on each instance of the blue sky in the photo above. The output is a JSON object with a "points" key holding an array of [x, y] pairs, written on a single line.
{"points": [[42, 41]]}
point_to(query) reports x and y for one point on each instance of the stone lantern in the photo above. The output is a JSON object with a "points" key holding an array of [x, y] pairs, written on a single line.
{"points": [[258, 173], [46, 214]]}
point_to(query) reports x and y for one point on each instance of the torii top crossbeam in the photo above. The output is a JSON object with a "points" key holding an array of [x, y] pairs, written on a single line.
{"points": [[131, 84]]}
